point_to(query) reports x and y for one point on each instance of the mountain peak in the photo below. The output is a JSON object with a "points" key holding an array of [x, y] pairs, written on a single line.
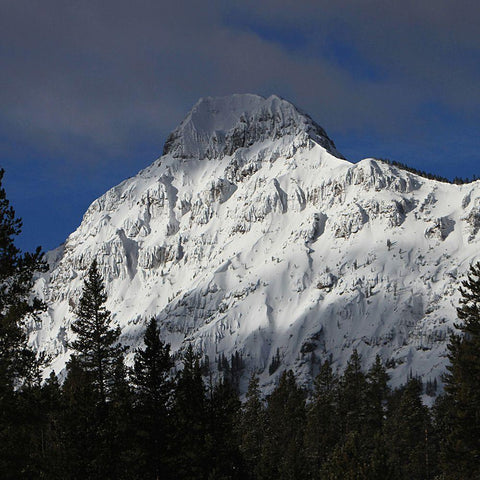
{"points": [[274, 250], [218, 126]]}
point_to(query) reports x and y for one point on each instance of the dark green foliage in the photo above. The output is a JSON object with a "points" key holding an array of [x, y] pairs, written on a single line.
{"points": [[352, 396], [444, 425], [97, 438], [322, 430], [96, 393], [121, 427], [346, 423], [222, 364], [19, 381], [408, 434], [282, 454], [231, 370], [80, 424], [252, 428], [377, 393], [38, 416], [151, 371], [346, 463], [190, 421], [222, 438], [17, 361], [96, 342], [461, 445], [275, 363], [153, 392]]}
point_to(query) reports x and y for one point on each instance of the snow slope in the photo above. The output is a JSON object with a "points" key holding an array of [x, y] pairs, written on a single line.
{"points": [[252, 234]]}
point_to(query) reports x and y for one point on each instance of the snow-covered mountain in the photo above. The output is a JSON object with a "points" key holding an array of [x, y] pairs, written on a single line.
{"points": [[252, 234]]}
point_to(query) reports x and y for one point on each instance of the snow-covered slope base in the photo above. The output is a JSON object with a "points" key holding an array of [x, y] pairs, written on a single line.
{"points": [[252, 234]]}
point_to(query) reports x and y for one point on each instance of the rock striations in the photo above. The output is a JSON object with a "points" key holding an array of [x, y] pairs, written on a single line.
{"points": [[252, 234]]}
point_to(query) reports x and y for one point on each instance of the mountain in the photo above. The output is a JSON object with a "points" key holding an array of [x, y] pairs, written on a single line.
{"points": [[251, 234]]}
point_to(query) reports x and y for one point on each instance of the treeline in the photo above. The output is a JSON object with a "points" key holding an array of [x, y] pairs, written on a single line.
{"points": [[110, 422], [107, 421], [423, 173]]}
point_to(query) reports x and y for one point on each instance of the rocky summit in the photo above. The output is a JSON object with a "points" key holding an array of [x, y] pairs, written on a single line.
{"points": [[252, 236]]}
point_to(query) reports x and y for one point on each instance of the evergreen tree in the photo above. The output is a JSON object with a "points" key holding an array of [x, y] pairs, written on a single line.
{"points": [[51, 448], [443, 426], [461, 447], [97, 438], [252, 428], [408, 431], [376, 396], [17, 360], [37, 441], [18, 364], [121, 459], [153, 391], [92, 381], [190, 461], [79, 423], [352, 396], [282, 455], [222, 440], [322, 432], [346, 461], [96, 342]]}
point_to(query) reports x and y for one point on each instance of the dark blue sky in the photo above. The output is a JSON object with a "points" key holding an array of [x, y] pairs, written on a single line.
{"points": [[89, 90]]}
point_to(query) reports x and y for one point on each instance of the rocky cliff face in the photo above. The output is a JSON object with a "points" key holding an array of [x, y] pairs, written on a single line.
{"points": [[252, 235]]}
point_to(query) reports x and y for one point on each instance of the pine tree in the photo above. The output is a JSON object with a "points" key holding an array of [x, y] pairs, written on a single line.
{"points": [[94, 372], [282, 455], [51, 448], [222, 439], [121, 459], [461, 448], [96, 342], [408, 431], [352, 396], [18, 364], [17, 361], [153, 391], [322, 432], [252, 428], [376, 400], [443, 426], [376, 395], [36, 429], [346, 461], [190, 460], [79, 423]]}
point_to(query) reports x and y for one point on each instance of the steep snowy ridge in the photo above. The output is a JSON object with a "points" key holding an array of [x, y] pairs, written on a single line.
{"points": [[266, 240]]}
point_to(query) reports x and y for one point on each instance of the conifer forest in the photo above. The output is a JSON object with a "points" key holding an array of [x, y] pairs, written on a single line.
{"points": [[104, 419]]}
